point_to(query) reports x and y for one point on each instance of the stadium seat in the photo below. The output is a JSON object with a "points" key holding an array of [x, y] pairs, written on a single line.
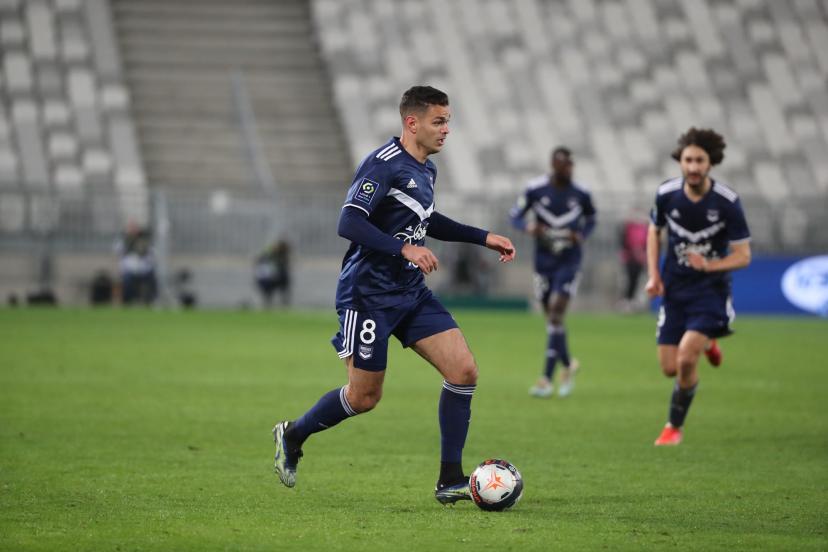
{"points": [[12, 32], [42, 33]]}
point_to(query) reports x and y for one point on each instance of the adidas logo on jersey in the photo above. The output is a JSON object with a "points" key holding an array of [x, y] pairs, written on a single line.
{"points": [[675, 214], [411, 184]]}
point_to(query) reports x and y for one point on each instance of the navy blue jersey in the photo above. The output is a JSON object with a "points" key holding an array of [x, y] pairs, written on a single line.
{"points": [[559, 211], [397, 193], [707, 227]]}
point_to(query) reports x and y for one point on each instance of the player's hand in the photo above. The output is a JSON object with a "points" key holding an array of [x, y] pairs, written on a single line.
{"points": [[534, 229], [654, 287], [697, 261], [576, 237], [420, 256], [502, 245]]}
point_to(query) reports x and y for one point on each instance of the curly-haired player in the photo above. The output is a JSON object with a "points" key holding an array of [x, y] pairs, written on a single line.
{"points": [[707, 237]]}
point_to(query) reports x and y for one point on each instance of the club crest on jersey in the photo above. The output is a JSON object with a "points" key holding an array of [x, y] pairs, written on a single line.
{"points": [[365, 352], [712, 215], [545, 201], [366, 189]]}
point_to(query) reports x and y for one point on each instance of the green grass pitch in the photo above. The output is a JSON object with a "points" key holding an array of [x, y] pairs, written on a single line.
{"points": [[149, 430]]}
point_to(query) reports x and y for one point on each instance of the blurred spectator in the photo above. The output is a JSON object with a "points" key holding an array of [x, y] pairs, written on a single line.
{"points": [[633, 238], [271, 271], [470, 273], [45, 297], [183, 285], [137, 265], [101, 290]]}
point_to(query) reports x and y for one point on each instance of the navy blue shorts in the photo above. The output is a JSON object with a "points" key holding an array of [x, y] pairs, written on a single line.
{"points": [[710, 314], [563, 281], [364, 334]]}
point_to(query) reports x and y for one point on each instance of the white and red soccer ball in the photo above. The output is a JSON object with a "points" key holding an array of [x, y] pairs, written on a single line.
{"points": [[495, 485]]}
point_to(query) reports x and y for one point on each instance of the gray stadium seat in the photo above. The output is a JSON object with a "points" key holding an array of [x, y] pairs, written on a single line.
{"points": [[18, 72], [68, 179], [34, 165], [40, 21], [12, 32], [62, 147]]}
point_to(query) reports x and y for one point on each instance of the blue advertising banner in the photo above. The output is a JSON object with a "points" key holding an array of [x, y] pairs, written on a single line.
{"points": [[758, 288]]}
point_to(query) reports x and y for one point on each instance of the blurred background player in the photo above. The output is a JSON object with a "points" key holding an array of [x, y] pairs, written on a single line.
{"points": [[388, 212], [563, 217], [707, 238]]}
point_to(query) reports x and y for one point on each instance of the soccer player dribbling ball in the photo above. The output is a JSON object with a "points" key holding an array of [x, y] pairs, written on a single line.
{"points": [[707, 237], [388, 212]]}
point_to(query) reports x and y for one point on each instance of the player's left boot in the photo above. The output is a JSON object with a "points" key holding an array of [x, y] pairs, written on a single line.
{"points": [[287, 456], [713, 354], [450, 494], [568, 378], [543, 389], [670, 436]]}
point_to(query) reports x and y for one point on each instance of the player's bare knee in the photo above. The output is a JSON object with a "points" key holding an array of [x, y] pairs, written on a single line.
{"points": [[669, 370], [465, 372], [687, 370], [687, 361], [365, 401]]}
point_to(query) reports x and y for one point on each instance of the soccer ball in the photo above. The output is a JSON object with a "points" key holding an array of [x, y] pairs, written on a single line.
{"points": [[496, 485]]}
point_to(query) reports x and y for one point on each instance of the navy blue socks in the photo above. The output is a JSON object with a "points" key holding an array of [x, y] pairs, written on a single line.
{"points": [[331, 409], [454, 412], [680, 404], [556, 349]]}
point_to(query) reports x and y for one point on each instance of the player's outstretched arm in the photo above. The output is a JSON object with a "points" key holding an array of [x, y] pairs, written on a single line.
{"points": [[502, 245]]}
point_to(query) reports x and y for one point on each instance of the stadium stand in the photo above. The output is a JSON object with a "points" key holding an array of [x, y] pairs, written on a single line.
{"points": [[618, 81], [178, 113], [193, 65], [65, 124]]}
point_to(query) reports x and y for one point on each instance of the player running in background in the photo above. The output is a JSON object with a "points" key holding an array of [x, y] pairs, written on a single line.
{"points": [[388, 212], [563, 217], [707, 238]]}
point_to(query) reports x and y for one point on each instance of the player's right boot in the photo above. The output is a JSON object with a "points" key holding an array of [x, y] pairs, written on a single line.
{"points": [[568, 378], [450, 494], [287, 456], [670, 436], [713, 353], [543, 389]]}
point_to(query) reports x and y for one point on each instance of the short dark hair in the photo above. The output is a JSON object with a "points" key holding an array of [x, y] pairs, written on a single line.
{"points": [[417, 99], [707, 139], [561, 150]]}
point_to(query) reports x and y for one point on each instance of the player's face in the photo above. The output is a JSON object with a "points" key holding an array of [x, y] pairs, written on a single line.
{"points": [[432, 128], [695, 165], [562, 166]]}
